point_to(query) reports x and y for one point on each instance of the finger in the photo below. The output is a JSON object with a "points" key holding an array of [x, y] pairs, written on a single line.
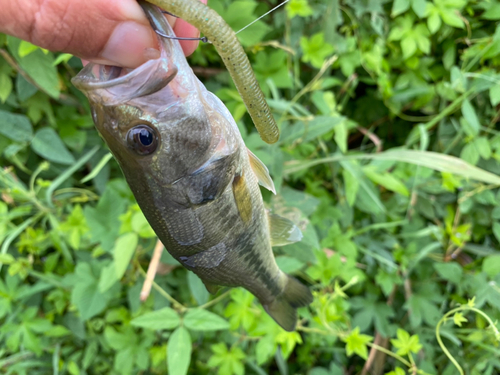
{"points": [[184, 29], [106, 31]]}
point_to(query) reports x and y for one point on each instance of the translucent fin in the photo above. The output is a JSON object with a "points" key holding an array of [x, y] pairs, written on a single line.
{"points": [[261, 171], [283, 309], [242, 198], [283, 231], [212, 288]]}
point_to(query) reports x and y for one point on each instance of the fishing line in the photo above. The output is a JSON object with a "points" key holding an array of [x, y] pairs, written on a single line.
{"points": [[265, 14], [204, 38]]}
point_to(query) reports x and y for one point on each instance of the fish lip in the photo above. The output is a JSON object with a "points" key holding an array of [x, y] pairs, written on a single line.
{"points": [[148, 78]]}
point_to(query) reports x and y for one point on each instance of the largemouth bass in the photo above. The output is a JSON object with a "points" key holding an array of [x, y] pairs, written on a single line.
{"points": [[184, 159]]}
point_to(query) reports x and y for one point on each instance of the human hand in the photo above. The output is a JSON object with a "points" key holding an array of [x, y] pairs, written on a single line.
{"points": [[112, 32]]}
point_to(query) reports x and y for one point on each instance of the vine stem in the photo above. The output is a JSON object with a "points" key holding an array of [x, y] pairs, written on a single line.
{"points": [[445, 318], [389, 353], [215, 300]]}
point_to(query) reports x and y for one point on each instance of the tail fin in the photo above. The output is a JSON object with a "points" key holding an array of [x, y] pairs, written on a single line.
{"points": [[283, 308]]}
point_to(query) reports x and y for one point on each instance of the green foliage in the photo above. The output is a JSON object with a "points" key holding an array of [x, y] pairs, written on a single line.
{"points": [[388, 161]]}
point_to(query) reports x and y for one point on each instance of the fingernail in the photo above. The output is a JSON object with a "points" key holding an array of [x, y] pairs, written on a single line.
{"points": [[128, 44]]}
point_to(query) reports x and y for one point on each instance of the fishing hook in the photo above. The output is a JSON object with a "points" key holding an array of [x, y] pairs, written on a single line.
{"points": [[204, 39]]}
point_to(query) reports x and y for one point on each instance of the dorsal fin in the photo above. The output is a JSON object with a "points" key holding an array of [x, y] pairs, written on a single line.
{"points": [[261, 171], [283, 231]]}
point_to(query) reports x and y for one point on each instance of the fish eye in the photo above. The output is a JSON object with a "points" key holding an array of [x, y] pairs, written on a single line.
{"points": [[142, 139]]}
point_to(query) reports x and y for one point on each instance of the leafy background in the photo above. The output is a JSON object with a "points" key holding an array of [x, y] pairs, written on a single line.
{"points": [[388, 161]]}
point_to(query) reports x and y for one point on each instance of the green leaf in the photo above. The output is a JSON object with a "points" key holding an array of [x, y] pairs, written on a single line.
{"points": [[459, 318], [141, 226], [238, 311], [470, 115], [452, 17], [197, 288], [492, 11], [63, 57], [406, 344], [24, 89], [351, 186], [399, 6], [273, 66], [25, 48], [419, 7], [117, 340], [48, 145], [239, 14], [103, 219], [288, 264], [356, 343], [165, 318], [428, 159], [341, 136], [38, 65], [434, 22], [179, 352], [491, 264], [496, 230], [482, 145], [315, 49], [298, 8], [123, 251], [203, 320], [449, 271], [470, 153], [397, 371], [367, 192], [5, 87], [495, 95], [86, 295], [229, 362], [265, 349], [409, 47], [15, 127], [386, 180]]}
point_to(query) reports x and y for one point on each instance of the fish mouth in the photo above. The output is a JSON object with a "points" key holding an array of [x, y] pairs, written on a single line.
{"points": [[112, 85]]}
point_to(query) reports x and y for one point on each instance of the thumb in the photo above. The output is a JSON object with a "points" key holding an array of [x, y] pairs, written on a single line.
{"points": [[114, 32]]}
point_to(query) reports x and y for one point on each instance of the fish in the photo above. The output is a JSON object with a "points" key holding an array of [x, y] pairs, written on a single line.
{"points": [[197, 184]]}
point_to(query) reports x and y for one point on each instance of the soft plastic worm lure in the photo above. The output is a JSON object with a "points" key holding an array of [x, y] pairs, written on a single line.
{"points": [[229, 48]]}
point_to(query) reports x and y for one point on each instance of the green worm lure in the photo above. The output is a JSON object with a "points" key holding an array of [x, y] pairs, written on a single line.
{"points": [[218, 32]]}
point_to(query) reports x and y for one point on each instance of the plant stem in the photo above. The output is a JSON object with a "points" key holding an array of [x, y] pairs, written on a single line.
{"points": [[389, 353], [177, 305], [215, 300], [446, 112]]}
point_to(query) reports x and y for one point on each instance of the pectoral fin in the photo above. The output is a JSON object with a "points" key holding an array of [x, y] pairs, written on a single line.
{"points": [[283, 231], [261, 171], [209, 181], [242, 198]]}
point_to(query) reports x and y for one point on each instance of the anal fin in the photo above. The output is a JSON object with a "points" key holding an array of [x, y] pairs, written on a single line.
{"points": [[283, 231], [261, 171], [211, 288]]}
